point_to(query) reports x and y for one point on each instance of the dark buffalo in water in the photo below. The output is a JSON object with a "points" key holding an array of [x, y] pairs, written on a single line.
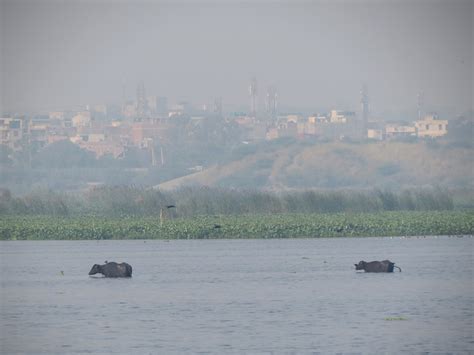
{"points": [[376, 266], [112, 269]]}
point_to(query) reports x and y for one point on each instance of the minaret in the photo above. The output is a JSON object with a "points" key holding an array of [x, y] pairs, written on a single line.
{"points": [[253, 97]]}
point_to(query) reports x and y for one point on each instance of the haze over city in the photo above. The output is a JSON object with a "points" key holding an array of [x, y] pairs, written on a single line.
{"points": [[57, 55], [222, 177]]}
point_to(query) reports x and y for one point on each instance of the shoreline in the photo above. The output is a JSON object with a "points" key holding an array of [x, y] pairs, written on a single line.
{"points": [[237, 239]]}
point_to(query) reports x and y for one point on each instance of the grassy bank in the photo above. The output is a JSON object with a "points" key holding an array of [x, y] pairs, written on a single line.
{"points": [[393, 223]]}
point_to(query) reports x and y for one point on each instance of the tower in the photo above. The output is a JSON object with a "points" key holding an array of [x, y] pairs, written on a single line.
{"points": [[419, 104], [364, 101], [253, 97], [218, 106], [272, 102], [124, 96], [142, 105]]}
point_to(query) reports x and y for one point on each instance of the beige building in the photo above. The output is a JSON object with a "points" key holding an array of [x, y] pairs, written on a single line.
{"points": [[56, 115], [314, 119], [287, 129], [431, 126], [102, 148], [373, 133], [399, 130], [82, 119], [341, 116]]}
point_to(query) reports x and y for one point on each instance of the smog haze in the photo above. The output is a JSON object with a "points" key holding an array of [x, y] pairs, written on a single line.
{"points": [[57, 54]]}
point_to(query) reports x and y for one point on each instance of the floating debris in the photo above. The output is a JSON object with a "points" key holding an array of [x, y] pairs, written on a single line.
{"points": [[395, 318]]}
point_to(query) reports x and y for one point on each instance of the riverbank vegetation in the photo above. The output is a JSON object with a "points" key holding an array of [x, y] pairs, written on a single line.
{"points": [[389, 223], [202, 213], [199, 201]]}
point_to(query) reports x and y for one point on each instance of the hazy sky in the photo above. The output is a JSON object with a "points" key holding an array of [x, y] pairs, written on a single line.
{"points": [[317, 54]]}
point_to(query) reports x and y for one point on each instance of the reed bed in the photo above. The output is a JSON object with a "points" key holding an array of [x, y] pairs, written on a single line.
{"points": [[198, 201]]}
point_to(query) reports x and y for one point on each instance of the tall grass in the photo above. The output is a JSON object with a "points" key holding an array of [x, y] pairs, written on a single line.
{"points": [[198, 201]]}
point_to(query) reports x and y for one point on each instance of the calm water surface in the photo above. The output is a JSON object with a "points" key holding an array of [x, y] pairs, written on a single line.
{"points": [[238, 296]]}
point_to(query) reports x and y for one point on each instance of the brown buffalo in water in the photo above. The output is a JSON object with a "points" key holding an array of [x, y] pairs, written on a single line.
{"points": [[112, 269], [376, 266]]}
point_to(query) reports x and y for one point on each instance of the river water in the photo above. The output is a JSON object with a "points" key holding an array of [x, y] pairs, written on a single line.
{"points": [[238, 296]]}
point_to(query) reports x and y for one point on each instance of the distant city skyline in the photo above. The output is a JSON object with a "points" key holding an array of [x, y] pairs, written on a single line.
{"points": [[319, 54]]}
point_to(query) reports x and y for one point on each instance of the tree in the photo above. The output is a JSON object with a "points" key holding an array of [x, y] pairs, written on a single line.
{"points": [[64, 154], [5, 156], [460, 129]]}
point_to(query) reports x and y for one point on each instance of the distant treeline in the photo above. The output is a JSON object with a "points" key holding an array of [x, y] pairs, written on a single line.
{"points": [[199, 201]]}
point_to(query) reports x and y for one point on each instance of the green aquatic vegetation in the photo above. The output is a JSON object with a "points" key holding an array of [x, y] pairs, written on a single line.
{"points": [[394, 223]]}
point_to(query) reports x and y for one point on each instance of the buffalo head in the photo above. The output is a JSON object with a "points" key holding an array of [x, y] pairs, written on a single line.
{"points": [[360, 265], [95, 269]]}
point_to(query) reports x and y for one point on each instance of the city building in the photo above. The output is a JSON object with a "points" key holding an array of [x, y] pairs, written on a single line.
{"points": [[11, 132], [82, 119], [336, 116], [253, 93], [141, 132], [57, 115], [271, 102], [375, 133], [129, 110], [398, 130], [142, 103], [431, 127], [101, 148]]}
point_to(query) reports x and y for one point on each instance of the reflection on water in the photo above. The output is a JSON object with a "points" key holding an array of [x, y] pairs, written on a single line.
{"points": [[243, 296]]}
